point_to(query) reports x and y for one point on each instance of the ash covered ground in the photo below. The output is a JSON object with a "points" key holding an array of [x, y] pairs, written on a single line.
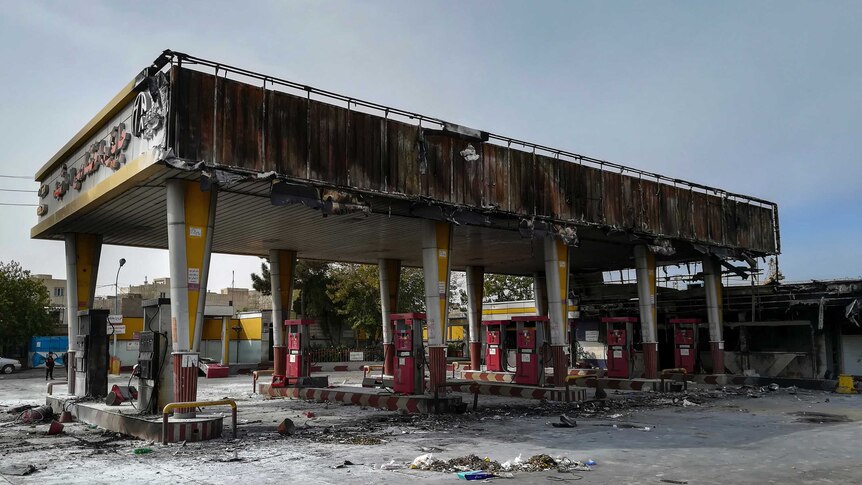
{"points": [[738, 435]]}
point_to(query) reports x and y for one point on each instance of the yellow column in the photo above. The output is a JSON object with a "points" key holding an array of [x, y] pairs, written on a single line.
{"points": [[199, 209]]}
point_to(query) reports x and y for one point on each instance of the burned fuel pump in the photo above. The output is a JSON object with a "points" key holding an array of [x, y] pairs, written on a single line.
{"points": [[530, 345], [409, 372], [619, 341], [91, 355], [298, 358], [684, 343], [495, 348]]}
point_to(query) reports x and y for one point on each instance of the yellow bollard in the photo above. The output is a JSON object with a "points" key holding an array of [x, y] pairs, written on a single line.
{"points": [[845, 384]]}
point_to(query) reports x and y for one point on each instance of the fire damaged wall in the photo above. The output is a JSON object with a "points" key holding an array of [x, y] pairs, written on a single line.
{"points": [[221, 121]]}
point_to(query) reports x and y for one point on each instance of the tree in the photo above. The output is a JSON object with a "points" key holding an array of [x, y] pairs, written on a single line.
{"points": [[500, 287], [355, 292], [24, 306], [262, 282], [411, 291]]}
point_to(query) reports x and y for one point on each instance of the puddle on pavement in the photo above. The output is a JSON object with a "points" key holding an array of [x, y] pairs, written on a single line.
{"points": [[820, 418]]}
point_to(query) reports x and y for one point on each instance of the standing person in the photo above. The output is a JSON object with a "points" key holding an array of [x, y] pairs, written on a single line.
{"points": [[49, 366]]}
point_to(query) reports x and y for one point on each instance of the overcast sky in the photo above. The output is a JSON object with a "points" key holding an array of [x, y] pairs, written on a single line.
{"points": [[762, 98]]}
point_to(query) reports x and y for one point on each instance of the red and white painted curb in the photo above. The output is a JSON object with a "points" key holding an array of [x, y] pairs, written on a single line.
{"points": [[194, 431], [405, 404]]}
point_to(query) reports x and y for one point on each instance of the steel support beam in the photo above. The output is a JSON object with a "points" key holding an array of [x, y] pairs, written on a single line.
{"points": [[436, 248], [83, 252], [646, 279], [475, 293], [389, 276], [712, 287], [557, 289], [282, 271]]}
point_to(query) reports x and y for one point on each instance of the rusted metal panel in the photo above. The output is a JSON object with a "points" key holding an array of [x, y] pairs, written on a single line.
{"points": [[629, 202], [699, 216], [549, 191], [239, 124], [365, 152], [403, 157], [715, 221], [669, 211], [327, 157], [437, 179], [650, 197], [495, 159], [684, 201], [568, 173], [193, 108], [612, 199], [286, 134], [523, 180]]}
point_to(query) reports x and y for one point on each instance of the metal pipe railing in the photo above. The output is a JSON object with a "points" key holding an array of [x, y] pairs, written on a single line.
{"points": [[196, 404], [54, 383], [255, 375]]}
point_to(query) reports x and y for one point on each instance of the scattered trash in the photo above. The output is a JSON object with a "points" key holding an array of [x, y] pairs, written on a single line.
{"points": [[66, 417], [774, 387], [678, 482], [142, 451], [18, 470], [344, 464], [686, 403], [590, 462], [430, 449], [475, 475], [55, 428], [565, 465], [423, 462], [614, 416], [37, 415], [286, 427], [390, 466], [309, 414], [565, 422], [512, 464]]}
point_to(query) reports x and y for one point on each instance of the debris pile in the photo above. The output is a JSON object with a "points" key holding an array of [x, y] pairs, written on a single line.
{"points": [[473, 463]]}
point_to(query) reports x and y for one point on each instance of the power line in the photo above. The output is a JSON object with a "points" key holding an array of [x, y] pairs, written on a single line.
{"points": [[16, 177], [18, 190], [19, 205]]}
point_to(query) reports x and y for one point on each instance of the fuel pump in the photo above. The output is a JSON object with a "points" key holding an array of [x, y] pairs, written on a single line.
{"points": [[409, 372], [684, 342], [495, 350], [619, 340], [298, 358], [91, 355], [530, 343]]}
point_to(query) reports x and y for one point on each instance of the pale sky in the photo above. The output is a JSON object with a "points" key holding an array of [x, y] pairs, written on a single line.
{"points": [[761, 98]]}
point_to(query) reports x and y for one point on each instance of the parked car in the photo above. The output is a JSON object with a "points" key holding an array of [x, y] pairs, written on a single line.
{"points": [[9, 365]]}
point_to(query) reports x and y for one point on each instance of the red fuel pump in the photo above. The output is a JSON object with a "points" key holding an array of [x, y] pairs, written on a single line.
{"points": [[495, 351], [530, 343], [298, 359], [409, 372], [619, 333], [684, 342]]}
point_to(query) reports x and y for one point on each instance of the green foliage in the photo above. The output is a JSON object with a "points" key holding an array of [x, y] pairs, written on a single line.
{"points": [[312, 280], [411, 291], [23, 309], [262, 282], [339, 295], [355, 291], [507, 288]]}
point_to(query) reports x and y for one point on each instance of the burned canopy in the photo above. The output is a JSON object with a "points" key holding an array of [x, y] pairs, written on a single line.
{"points": [[343, 179]]}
